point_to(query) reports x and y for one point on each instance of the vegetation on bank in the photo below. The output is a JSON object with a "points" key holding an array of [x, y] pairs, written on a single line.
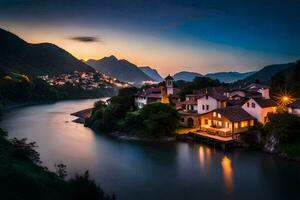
{"points": [[153, 120], [17, 89], [280, 135], [23, 177]]}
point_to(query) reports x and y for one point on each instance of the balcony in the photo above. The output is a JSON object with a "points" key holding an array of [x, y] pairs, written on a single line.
{"points": [[218, 131]]}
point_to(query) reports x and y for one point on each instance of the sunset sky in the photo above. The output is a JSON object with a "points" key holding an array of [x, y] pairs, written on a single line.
{"points": [[171, 36]]}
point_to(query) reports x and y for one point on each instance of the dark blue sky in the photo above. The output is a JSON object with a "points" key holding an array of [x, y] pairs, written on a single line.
{"points": [[213, 34]]}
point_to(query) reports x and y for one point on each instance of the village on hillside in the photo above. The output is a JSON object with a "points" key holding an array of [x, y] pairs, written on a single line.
{"points": [[218, 113], [85, 80]]}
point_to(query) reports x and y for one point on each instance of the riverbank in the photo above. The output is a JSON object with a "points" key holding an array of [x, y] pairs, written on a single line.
{"points": [[22, 176]]}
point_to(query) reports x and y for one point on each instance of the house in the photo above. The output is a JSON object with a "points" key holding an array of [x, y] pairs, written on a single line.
{"points": [[158, 94], [262, 89], [210, 101], [260, 108], [226, 121], [294, 108], [146, 96]]}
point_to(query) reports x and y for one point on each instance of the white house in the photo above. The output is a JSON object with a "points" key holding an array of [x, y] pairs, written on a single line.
{"points": [[147, 96], [263, 89], [259, 108], [294, 108], [208, 102]]}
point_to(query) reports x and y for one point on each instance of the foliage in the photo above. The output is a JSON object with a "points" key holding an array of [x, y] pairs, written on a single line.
{"points": [[107, 117], [284, 126], [86, 188], [61, 170], [155, 120], [196, 84], [21, 178], [21, 88], [24, 150]]}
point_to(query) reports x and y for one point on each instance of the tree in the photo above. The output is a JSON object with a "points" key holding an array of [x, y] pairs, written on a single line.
{"points": [[24, 150], [284, 126], [61, 170], [84, 187], [159, 119]]}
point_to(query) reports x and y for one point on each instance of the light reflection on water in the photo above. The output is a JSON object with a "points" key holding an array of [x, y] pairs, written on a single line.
{"points": [[150, 171], [227, 173]]}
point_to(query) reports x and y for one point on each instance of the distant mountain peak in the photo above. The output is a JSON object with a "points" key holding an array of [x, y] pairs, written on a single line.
{"points": [[19, 56], [152, 73], [112, 57], [120, 69]]}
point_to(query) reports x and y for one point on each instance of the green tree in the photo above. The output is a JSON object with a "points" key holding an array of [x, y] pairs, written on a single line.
{"points": [[284, 126]]}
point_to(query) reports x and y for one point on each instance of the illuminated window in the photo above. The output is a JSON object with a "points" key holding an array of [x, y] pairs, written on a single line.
{"points": [[214, 114], [244, 124], [236, 125], [219, 115], [220, 123], [251, 122], [206, 121], [227, 124]]}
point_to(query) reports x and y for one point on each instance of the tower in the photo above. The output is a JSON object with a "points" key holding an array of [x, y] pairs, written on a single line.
{"points": [[169, 84]]}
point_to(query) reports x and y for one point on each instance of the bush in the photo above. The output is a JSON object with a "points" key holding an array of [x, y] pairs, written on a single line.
{"points": [[85, 188], [284, 126], [153, 120]]}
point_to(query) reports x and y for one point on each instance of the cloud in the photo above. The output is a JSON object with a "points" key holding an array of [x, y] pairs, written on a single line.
{"points": [[86, 39]]}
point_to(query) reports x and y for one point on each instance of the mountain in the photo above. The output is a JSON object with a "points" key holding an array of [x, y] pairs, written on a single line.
{"points": [[120, 69], [229, 77], [16, 55], [152, 73], [186, 76], [265, 74]]}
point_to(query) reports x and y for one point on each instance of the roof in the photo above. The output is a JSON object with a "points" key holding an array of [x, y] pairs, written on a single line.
{"points": [[214, 92], [169, 77], [265, 103], [295, 104], [236, 102], [154, 95], [148, 91], [189, 102], [234, 113]]}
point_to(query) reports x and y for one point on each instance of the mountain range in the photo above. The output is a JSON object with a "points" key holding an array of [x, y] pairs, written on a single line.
{"points": [[152, 73], [20, 56], [119, 68], [226, 77], [17, 55], [266, 73]]}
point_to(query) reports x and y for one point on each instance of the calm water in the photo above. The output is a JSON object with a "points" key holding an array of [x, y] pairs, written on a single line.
{"points": [[136, 171]]}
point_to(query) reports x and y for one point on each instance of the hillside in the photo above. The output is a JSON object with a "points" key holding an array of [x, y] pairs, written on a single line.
{"points": [[152, 73], [229, 77], [265, 74], [287, 81], [16, 55], [120, 69], [186, 76]]}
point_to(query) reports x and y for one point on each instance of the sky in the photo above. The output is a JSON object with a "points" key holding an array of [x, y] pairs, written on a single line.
{"points": [[170, 36]]}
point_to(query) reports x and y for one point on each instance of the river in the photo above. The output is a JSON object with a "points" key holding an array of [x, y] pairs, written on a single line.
{"points": [[143, 171]]}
